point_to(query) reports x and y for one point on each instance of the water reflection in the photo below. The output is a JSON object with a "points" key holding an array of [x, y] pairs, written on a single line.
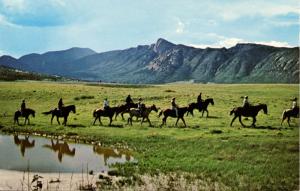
{"points": [[113, 153], [23, 143], [46, 155], [61, 148]]}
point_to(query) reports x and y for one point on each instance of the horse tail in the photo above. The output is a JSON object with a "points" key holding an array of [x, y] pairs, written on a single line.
{"points": [[94, 113], [232, 111], [47, 112], [15, 117], [160, 113], [283, 114]]}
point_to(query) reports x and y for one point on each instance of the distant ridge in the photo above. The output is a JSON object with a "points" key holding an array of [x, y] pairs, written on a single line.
{"points": [[164, 62]]}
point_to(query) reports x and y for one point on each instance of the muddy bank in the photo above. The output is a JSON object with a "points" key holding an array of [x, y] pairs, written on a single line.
{"points": [[17, 180]]}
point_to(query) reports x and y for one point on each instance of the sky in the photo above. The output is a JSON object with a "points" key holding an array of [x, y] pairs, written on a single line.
{"points": [[38, 26]]}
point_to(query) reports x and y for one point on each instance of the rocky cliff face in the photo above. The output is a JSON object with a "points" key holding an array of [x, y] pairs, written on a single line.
{"points": [[164, 62]]}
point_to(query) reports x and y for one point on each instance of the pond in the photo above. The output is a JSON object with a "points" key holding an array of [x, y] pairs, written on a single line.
{"points": [[18, 152]]}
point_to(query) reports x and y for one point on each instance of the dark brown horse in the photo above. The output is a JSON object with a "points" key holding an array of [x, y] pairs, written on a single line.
{"points": [[171, 113], [121, 109], [202, 106], [61, 148], [250, 111], [288, 113], [64, 113], [144, 115], [104, 113], [26, 113]]}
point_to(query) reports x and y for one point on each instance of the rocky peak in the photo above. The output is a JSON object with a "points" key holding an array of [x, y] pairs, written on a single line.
{"points": [[162, 45]]}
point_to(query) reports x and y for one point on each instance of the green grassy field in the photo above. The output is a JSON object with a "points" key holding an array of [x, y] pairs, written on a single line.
{"points": [[261, 158]]}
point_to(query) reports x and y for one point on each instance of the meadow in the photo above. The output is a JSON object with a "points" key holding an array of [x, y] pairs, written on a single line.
{"points": [[234, 158]]}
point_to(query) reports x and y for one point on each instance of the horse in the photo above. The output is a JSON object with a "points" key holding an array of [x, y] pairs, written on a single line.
{"points": [[288, 113], [121, 109], [250, 111], [202, 106], [172, 113], [26, 113], [144, 114], [63, 113], [97, 113]]}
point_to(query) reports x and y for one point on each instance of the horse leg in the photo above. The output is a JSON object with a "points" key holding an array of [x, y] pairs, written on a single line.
{"points": [[65, 121], [206, 113], [164, 121], [28, 122], [52, 119], [235, 116], [240, 119], [57, 119], [183, 121], [95, 120], [177, 121], [25, 121], [288, 120], [142, 121], [100, 121], [283, 118], [254, 121], [110, 121], [202, 113], [150, 125], [122, 114]]}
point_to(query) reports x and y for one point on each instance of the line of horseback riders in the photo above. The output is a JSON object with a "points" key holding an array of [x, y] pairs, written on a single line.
{"points": [[139, 109]]}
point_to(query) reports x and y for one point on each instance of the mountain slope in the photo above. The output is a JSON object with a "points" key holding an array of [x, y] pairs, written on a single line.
{"points": [[164, 62]]}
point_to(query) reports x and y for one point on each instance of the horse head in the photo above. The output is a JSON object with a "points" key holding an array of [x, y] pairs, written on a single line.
{"points": [[73, 109], [153, 107], [210, 100], [33, 113], [265, 108], [190, 109]]}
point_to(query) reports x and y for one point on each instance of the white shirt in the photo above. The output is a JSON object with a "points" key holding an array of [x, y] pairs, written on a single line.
{"points": [[106, 103]]}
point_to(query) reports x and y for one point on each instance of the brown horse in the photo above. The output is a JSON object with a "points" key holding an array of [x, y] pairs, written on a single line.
{"points": [[64, 113], [61, 148], [121, 109], [171, 113], [104, 113], [288, 113], [202, 106], [26, 113], [144, 115], [251, 111]]}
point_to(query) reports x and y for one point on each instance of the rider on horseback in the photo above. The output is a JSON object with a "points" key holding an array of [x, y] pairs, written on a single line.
{"points": [[128, 100], [294, 103], [141, 106], [23, 107], [174, 106], [60, 105], [246, 102], [199, 98], [106, 104]]}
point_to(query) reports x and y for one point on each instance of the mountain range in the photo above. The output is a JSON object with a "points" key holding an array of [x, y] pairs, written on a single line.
{"points": [[164, 62]]}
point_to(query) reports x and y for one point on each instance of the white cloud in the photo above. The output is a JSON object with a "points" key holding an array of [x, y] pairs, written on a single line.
{"points": [[253, 8], [5, 22], [180, 27], [17, 5], [230, 42]]}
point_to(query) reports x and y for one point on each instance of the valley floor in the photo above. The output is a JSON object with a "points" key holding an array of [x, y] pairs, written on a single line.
{"points": [[208, 150]]}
